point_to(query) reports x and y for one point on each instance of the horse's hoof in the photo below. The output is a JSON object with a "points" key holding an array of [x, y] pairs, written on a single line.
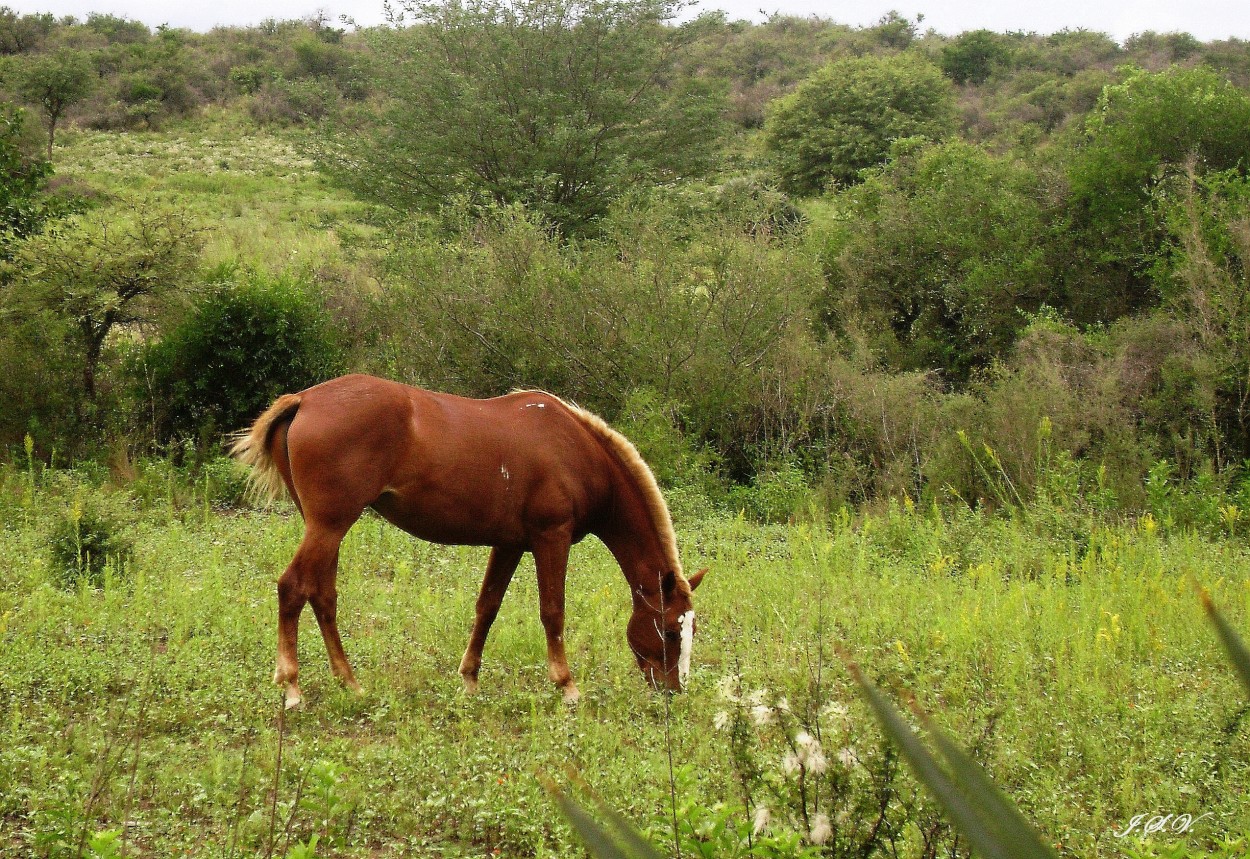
{"points": [[470, 684], [293, 698], [571, 695]]}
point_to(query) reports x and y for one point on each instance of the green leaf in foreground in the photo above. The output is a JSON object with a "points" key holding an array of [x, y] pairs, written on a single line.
{"points": [[1232, 642], [993, 825], [626, 843]]}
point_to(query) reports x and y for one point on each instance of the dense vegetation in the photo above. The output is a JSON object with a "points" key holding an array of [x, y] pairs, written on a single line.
{"points": [[1075, 663], [952, 332], [793, 250]]}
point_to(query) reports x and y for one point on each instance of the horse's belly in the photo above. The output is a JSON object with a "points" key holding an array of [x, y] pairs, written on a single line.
{"points": [[457, 522]]}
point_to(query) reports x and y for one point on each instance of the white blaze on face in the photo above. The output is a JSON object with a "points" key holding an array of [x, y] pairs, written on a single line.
{"points": [[686, 622]]}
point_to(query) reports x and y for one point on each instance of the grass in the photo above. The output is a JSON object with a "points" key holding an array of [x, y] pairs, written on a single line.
{"points": [[1107, 692], [256, 189]]}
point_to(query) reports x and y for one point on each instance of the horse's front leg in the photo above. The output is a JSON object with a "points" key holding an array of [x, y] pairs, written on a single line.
{"points": [[551, 557], [499, 570]]}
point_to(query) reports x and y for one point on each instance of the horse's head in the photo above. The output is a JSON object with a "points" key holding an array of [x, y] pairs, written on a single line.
{"points": [[661, 632]]}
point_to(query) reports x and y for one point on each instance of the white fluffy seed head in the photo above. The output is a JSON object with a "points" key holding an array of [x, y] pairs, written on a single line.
{"points": [[822, 829], [762, 817]]}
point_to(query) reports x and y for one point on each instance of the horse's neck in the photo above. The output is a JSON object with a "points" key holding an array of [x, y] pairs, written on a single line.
{"points": [[631, 537]]}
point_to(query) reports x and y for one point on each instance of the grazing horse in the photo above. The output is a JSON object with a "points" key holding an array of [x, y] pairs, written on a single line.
{"points": [[526, 472]]}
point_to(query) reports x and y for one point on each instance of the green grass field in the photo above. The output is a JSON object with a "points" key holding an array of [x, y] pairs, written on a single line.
{"points": [[256, 191], [1071, 655], [1081, 671]]}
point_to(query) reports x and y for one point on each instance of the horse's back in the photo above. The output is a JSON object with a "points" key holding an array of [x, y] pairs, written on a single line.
{"points": [[447, 468]]}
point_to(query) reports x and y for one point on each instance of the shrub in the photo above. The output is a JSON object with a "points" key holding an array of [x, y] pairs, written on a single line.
{"points": [[777, 494], [85, 541], [845, 117], [241, 346], [247, 79], [946, 247], [292, 102], [973, 56], [225, 482], [1144, 131], [704, 314]]}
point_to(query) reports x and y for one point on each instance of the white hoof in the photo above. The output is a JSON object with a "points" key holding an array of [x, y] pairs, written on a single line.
{"points": [[571, 694], [470, 684], [293, 697]]}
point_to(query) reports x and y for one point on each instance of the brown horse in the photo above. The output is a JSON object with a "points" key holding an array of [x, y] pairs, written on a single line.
{"points": [[526, 472]]}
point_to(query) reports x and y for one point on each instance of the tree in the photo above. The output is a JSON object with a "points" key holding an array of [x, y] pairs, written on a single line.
{"points": [[1144, 131], [557, 104], [54, 82], [104, 271], [21, 34], [844, 118], [973, 56], [945, 247], [241, 346], [23, 209]]}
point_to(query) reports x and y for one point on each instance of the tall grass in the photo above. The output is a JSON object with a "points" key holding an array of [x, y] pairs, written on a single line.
{"points": [[1080, 668]]}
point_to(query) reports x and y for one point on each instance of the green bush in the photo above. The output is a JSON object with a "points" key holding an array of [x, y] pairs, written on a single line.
{"points": [[972, 57], [844, 118], [945, 246], [777, 494], [242, 345], [704, 314], [225, 482], [85, 541], [1143, 132], [292, 102]]}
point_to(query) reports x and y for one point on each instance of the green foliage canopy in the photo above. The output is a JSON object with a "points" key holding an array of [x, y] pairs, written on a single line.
{"points": [[241, 347], [844, 118], [1146, 127], [54, 82], [107, 269], [22, 180], [948, 248], [557, 104], [973, 56]]}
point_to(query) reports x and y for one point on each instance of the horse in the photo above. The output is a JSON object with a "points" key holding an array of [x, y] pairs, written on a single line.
{"points": [[524, 472]]}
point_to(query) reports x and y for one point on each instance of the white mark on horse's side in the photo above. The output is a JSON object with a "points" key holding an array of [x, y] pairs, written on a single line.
{"points": [[686, 622], [535, 405], [503, 469]]}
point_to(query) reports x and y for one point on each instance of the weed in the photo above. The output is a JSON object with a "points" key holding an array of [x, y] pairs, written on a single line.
{"points": [[85, 541]]}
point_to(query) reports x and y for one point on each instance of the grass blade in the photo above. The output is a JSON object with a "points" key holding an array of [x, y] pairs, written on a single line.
{"points": [[627, 843], [596, 838], [1232, 642], [972, 822], [994, 807]]}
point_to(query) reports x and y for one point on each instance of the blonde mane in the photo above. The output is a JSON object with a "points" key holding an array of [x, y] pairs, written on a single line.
{"points": [[637, 467]]}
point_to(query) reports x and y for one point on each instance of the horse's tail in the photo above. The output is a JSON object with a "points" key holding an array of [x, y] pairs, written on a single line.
{"points": [[252, 447]]}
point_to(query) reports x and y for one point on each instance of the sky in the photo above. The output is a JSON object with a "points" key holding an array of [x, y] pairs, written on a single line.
{"points": [[1205, 19]]}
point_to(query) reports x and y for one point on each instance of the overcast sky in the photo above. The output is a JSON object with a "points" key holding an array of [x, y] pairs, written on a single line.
{"points": [[1205, 19]]}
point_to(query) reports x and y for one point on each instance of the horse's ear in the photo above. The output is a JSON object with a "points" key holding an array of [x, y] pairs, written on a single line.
{"points": [[668, 581], [697, 578]]}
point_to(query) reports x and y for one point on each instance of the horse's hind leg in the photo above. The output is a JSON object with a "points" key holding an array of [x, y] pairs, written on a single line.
{"points": [[325, 601], [499, 570], [309, 578]]}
